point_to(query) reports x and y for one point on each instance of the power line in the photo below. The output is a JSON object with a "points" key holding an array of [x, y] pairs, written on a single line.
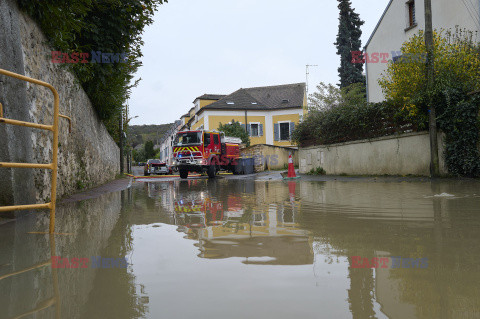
{"points": [[474, 16]]}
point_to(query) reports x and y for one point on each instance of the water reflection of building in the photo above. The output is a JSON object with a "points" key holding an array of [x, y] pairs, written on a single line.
{"points": [[240, 219], [262, 223]]}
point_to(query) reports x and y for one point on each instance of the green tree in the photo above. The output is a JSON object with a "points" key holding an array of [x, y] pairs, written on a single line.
{"points": [[235, 130], [112, 27], [348, 40], [329, 96], [139, 156], [149, 151]]}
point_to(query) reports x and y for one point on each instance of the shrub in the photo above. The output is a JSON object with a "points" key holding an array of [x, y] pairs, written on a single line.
{"points": [[460, 122], [457, 74], [348, 122], [234, 129], [317, 171]]}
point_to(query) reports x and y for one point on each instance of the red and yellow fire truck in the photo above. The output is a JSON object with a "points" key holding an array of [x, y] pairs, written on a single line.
{"points": [[205, 151]]}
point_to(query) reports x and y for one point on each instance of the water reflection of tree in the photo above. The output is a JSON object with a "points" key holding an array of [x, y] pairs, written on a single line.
{"points": [[360, 294], [447, 288], [124, 301], [240, 223]]}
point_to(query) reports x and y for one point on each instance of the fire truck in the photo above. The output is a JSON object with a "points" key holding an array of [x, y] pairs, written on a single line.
{"points": [[205, 151]]}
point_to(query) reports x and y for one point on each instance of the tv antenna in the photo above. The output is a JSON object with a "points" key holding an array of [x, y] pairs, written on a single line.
{"points": [[307, 72]]}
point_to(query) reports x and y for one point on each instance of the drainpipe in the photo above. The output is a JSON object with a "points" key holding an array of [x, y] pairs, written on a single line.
{"points": [[366, 75], [246, 130]]}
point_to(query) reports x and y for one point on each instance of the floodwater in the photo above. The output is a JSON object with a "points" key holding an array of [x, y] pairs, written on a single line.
{"points": [[251, 249]]}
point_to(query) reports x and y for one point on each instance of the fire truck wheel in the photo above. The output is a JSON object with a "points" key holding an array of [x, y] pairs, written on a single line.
{"points": [[211, 171], [183, 173]]}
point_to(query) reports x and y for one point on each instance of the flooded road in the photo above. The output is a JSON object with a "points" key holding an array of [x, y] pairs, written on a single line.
{"points": [[251, 249]]}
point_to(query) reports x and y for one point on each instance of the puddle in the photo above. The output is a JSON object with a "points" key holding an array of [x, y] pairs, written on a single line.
{"points": [[234, 248]]}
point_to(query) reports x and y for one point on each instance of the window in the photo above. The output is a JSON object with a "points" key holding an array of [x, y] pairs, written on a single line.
{"points": [[284, 131], [412, 21], [215, 139], [188, 138], [253, 129], [206, 139]]}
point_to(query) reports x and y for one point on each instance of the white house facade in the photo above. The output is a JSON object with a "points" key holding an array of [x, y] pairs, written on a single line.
{"points": [[401, 20], [167, 142]]}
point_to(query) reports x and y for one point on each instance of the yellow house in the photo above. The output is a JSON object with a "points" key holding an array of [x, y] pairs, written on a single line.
{"points": [[269, 113]]}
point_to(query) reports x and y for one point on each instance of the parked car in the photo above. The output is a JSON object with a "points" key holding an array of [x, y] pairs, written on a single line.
{"points": [[156, 167]]}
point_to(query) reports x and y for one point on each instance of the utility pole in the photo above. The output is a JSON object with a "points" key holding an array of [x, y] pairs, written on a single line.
{"points": [[434, 161]]}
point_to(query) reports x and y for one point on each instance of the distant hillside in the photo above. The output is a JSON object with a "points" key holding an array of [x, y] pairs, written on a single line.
{"points": [[139, 134]]}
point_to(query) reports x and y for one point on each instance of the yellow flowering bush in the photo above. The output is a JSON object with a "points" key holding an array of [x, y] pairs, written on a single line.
{"points": [[457, 75], [457, 61]]}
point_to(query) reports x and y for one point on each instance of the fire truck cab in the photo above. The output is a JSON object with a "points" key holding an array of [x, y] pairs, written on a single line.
{"points": [[205, 151]]}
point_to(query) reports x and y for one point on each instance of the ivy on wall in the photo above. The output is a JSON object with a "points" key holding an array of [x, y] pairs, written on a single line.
{"points": [[460, 122], [108, 26]]}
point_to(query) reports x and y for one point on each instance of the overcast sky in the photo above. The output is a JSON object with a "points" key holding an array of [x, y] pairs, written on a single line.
{"points": [[218, 46]]}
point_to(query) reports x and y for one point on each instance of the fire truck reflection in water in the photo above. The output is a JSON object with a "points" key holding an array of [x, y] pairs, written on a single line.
{"points": [[194, 215]]}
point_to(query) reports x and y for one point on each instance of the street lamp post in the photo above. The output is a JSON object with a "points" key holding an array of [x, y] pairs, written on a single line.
{"points": [[120, 124], [123, 136]]}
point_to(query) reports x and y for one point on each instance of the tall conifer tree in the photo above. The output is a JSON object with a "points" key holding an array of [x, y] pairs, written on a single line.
{"points": [[348, 40]]}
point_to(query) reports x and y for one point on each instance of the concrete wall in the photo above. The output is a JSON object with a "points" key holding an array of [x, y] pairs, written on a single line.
{"points": [[87, 157], [270, 157], [392, 31], [406, 154]]}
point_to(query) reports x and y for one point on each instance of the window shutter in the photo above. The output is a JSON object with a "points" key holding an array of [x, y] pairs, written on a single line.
{"points": [[249, 129], [276, 131], [292, 127], [260, 129]]}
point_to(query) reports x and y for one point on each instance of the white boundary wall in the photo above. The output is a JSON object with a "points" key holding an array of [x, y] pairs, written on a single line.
{"points": [[406, 154]]}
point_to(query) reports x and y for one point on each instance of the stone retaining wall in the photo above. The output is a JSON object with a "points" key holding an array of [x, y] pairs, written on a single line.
{"points": [[87, 157]]}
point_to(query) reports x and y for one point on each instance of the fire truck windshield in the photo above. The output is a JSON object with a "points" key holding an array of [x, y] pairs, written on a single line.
{"points": [[188, 138]]}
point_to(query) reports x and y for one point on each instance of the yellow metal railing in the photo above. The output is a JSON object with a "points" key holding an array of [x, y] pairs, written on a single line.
{"points": [[52, 166], [55, 301]]}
